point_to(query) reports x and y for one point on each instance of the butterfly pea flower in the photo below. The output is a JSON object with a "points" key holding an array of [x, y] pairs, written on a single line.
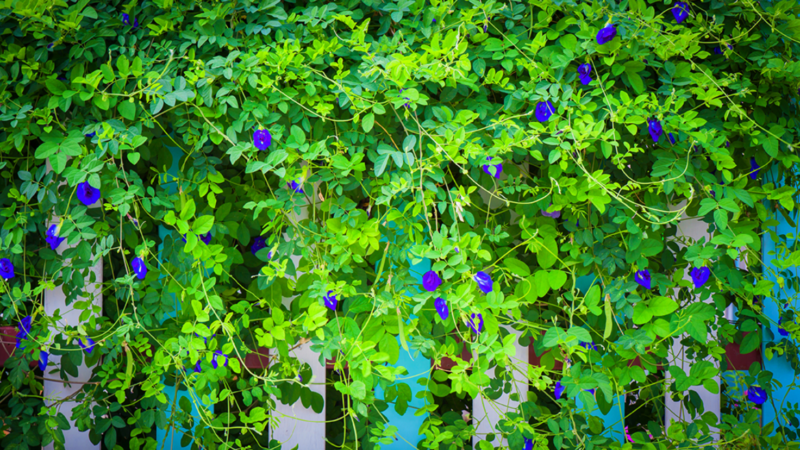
{"points": [[441, 308], [126, 20], [782, 330], [24, 330], [471, 323], [756, 395], [671, 139], [87, 194], [544, 110], [585, 73], [6, 268], [402, 89], [43, 356], [297, 187], [485, 27], [498, 168], [559, 390], [262, 139], [330, 301], [654, 127], [91, 135], [206, 238], [528, 445], [606, 34], [754, 168], [680, 11], [643, 278], [258, 244], [197, 367], [589, 345], [484, 281], [89, 346], [431, 281], [554, 214], [700, 276], [52, 237], [139, 268], [217, 354]]}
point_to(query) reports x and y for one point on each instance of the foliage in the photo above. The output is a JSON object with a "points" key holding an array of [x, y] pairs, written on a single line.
{"points": [[458, 132]]}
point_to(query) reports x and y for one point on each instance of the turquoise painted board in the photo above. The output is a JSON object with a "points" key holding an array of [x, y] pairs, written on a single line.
{"points": [[171, 439], [778, 365], [419, 367], [614, 421]]}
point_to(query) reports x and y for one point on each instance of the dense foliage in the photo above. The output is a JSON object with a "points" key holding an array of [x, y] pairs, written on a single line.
{"points": [[517, 146]]}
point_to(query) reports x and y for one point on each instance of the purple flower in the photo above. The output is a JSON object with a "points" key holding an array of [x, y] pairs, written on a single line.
{"points": [[431, 281], [544, 110], [214, 359], [126, 19], [406, 98], [441, 308], [197, 367], [717, 50], [671, 139], [700, 276], [89, 346], [643, 278], [654, 127], [87, 194], [91, 135], [498, 168], [585, 73], [258, 244], [52, 237], [135, 23], [554, 214], [606, 34], [559, 390], [205, 339], [528, 445], [24, 330], [484, 281], [680, 11], [139, 268], [471, 323], [43, 360], [206, 238], [330, 301], [298, 188], [781, 330], [754, 168], [6, 268], [485, 27], [756, 395], [262, 139]]}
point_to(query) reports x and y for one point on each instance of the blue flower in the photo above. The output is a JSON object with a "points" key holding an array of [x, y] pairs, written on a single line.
{"points": [[680, 11], [441, 308], [139, 268], [554, 214], [754, 168], [91, 135], [52, 237], [330, 301], [89, 346], [654, 127], [24, 330], [258, 244], [135, 23], [544, 110], [295, 186], [217, 354], [643, 278], [126, 19], [498, 168], [431, 281], [43, 360], [471, 323], [484, 281], [589, 345], [756, 395], [197, 367], [606, 34], [262, 139], [485, 27], [87, 194], [585, 73], [671, 139], [205, 339], [528, 445], [700, 276], [206, 238], [781, 330], [6, 268], [559, 390]]}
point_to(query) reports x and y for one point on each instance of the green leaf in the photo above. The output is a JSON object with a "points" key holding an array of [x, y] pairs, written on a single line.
{"points": [[368, 122], [380, 163], [548, 253], [127, 109], [580, 333], [553, 335], [557, 279], [750, 342], [721, 219], [123, 66], [662, 306], [517, 267], [203, 224]]}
